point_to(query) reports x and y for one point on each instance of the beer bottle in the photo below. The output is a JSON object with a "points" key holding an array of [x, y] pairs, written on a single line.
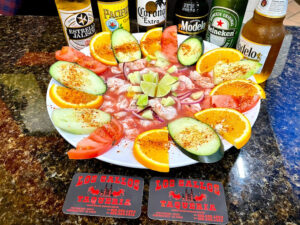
{"points": [[262, 36], [114, 14], [77, 20], [151, 14], [191, 17], [225, 20]]}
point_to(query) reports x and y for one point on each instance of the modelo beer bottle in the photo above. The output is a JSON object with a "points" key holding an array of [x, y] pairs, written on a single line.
{"points": [[225, 20], [191, 17], [77, 21], [262, 36], [114, 14], [151, 14]]}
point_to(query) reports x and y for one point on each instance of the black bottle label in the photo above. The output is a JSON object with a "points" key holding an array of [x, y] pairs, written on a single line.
{"points": [[192, 25]]}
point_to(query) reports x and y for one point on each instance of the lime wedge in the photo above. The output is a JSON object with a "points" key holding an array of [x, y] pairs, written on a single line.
{"points": [[168, 79], [148, 88], [163, 90], [151, 77]]}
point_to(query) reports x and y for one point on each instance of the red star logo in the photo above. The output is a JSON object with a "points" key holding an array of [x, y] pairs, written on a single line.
{"points": [[220, 23]]}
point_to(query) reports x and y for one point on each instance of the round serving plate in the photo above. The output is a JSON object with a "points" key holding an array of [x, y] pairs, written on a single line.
{"points": [[122, 154]]}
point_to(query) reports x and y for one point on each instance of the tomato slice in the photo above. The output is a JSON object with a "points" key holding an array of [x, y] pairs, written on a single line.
{"points": [[100, 136], [224, 101], [115, 130], [206, 103], [247, 102], [87, 149], [91, 64], [68, 54], [240, 103], [169, 43]]}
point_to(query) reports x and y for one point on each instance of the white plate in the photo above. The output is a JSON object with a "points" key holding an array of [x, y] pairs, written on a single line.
{"points": [[122, 153]]}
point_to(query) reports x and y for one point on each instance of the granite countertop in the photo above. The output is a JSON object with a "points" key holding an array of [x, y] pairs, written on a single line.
{"points": [[261, 180]]}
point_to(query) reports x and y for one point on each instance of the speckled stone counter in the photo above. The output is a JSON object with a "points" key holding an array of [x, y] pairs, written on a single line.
{"points": [[35, 172]]}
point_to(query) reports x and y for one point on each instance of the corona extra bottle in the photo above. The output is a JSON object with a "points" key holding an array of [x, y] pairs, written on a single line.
{"points": [[151, 14], [77, 21]]}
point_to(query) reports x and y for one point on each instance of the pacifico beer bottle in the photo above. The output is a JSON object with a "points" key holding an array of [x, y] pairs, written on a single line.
{"points": [[191, 17], [114, 14], [151, 14], [262, 36], [225, 21], [77, 21]]}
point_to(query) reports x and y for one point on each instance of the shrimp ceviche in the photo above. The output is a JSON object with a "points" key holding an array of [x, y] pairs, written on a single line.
{"points": [[127, 88]]}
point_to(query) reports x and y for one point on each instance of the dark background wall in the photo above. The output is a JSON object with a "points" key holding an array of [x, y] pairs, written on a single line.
{"points": [[48, 8]]}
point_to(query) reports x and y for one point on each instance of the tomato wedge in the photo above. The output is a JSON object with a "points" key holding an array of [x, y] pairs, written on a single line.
{"points": [[71, 55], [87, 149], [98, 142], [91, 64], [68, 54], [169, 43], [240, 103]]}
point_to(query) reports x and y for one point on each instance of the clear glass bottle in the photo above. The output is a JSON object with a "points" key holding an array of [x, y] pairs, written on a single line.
{"points": [[151, 14]]}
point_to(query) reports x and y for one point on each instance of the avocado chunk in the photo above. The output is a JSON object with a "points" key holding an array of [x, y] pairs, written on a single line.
{"points": [[142, 100], [135, 77], [169, 101], [148, 114], [235, 70]]}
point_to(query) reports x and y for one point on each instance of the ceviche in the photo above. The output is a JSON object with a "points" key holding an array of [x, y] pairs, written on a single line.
{"points": [[118, 94]]}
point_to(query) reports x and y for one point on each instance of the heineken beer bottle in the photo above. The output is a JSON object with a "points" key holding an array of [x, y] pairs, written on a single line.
{"points": [[225, 20]]}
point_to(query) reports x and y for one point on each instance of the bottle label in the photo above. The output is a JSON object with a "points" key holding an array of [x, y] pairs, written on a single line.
{"points": [[150, 13], [254, 51], [78, 26], [114, 15], [272, 8], [222, 26], [191, 25]]}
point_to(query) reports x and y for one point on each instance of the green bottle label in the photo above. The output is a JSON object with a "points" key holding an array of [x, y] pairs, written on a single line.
{"points": [[223, 27]]}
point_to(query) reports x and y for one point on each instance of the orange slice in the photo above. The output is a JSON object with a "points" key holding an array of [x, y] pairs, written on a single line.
{"points": [[151, 149], [151, 42], [100, 48], [209, 59], [232, 125], [69, 98], [239, 87]]}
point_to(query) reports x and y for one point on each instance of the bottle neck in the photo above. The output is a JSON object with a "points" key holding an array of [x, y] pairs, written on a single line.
{"points": [[259, 18], [272, 8]]}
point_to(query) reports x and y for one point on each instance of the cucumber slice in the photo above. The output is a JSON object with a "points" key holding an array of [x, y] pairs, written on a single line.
{"points": [[196, 139], [79, 121], [125, 47], [77, 77], [190, 51]]}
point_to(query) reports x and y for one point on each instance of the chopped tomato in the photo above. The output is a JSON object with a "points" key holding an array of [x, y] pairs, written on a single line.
{"points": [[240, 103], [169, 43], [87, 149], [91, 64], [247, 102], [68, 54], [224, 101], [99, 142], [206, 103]]}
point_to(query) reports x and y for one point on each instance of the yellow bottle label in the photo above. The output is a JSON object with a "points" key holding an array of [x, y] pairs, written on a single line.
{"points": [[114, 15]]}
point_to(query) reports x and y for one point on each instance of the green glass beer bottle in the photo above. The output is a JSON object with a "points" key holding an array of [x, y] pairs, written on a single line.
{"points": [[225, 21]]}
